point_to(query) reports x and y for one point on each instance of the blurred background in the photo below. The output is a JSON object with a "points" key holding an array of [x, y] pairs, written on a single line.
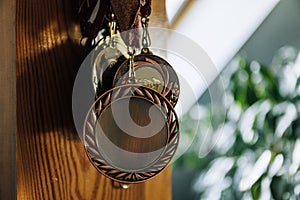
{"points": [[254, 151]]}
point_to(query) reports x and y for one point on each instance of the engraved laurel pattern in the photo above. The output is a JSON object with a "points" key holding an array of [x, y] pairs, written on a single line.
{"points": [[90, 142]]}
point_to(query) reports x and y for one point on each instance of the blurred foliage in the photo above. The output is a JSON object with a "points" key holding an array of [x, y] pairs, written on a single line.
{"points": [[255, 152]]}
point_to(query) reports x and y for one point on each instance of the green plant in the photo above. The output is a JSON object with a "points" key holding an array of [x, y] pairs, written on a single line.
{"points": [[256, 152]]}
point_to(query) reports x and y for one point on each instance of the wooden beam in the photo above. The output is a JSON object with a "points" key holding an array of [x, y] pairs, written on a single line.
{"points": [[51, 162], [7, 101]]}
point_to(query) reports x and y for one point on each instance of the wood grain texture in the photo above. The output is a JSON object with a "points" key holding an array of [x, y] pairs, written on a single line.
{"points": [[7, 101], [51, 162]]}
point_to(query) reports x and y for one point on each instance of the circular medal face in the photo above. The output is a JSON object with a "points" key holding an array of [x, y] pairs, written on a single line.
{"points": [[106, 57], [131, 133], [131, 144], [105, 65], [151, 71]]}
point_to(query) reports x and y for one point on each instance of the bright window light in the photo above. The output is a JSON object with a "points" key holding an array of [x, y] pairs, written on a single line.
{"points": [[220, 27], [174, 7]]}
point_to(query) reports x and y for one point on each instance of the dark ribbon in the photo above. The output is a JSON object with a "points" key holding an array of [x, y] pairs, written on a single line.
{"points": [[126, 12], [90, 29], [146, 8]]}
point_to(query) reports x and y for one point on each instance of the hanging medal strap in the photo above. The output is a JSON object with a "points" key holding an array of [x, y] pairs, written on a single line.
{"points": [[112, 26], [127, 16], [126, 12], [145, 13], [145, 8], [92, 15], [92, 19], [131, 73]]}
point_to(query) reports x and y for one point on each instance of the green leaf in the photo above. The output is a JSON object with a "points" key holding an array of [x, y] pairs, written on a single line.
{"points": [[256, 190], [278, 187]]}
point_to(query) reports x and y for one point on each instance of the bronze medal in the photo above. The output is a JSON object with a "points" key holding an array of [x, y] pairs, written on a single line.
{"points": [[131, 131], [131, 151], [152, 71]]}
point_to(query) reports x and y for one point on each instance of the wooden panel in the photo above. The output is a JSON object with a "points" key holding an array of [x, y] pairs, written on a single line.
{"points": [[51, 162], [7, 101]]}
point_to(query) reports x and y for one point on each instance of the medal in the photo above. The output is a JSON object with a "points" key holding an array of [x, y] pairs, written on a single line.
{"points": [[131, 131]]}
